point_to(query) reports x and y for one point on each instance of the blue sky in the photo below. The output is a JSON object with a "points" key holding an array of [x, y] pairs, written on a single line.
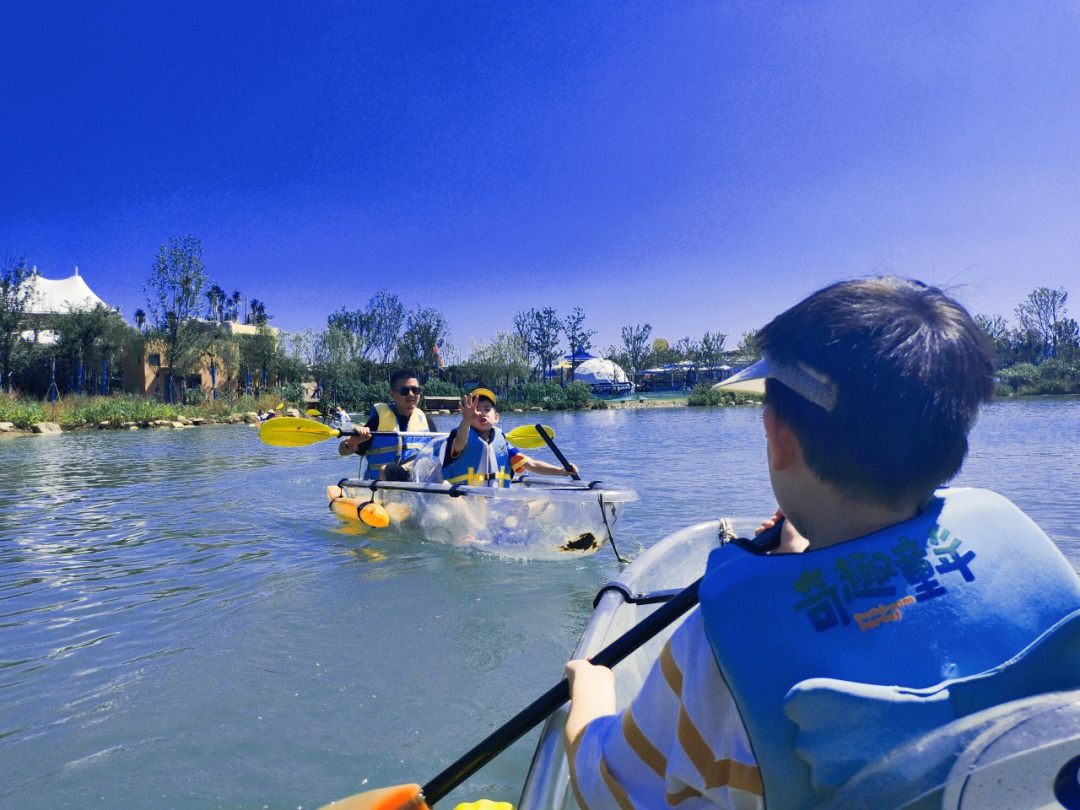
{"points": [[699, 166]]}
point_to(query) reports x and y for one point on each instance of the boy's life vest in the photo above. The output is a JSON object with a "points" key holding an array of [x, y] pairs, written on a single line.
{"points": [[480, 463], [384, 449], [963, 587]]}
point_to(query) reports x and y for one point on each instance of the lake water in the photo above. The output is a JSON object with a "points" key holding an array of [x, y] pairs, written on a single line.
{"points": [[184, 624]]}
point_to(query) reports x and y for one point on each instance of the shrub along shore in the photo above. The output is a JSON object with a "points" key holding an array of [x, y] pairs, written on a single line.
{"points": [[20, 414]]}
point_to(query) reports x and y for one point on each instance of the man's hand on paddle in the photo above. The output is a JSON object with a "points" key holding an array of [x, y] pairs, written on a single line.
{"points": [[352, 443]]}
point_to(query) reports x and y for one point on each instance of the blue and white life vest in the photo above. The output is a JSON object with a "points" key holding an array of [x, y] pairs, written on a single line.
{"points": [[481, 463], [956, 591], [384, 449]]}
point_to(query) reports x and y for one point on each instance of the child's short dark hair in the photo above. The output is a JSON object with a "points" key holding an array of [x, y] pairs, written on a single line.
{"points": [[400, 374], [911, 369]]}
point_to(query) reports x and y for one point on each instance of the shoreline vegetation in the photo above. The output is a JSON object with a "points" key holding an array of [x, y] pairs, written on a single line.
{"points": [[20, 414], [189, 356]]}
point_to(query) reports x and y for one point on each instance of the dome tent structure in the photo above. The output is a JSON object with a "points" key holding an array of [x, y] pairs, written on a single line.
{"points": [[605, 376]]}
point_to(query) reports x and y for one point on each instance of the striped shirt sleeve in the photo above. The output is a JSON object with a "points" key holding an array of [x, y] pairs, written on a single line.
{"points": [[679, 744]]}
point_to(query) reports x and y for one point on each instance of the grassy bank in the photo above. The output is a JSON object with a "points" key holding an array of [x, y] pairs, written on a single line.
{"points": [[1049, 377], [82, 411]]}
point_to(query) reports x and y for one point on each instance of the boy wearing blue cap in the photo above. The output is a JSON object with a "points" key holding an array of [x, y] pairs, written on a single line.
{"points": [[478, 454]]}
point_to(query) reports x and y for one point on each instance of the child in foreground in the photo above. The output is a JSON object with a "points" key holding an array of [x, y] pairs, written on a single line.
{"points": [[477, 453], [871, 576]]}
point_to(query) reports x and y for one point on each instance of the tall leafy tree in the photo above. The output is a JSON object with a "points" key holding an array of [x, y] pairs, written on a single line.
{"points": [[355, 328], [259, 317], [635, 341], [523, 329], [177, 279], [545, 339], [215, 303], [385, 317], [16, 292], [997, 329], [748, 350], [578, 338], [501, 362], [1041, 313], [711, 348], [426, 336], [140, 319]]}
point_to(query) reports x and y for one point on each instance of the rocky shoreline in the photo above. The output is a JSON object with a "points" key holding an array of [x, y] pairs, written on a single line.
{"points": [[8, 429]]}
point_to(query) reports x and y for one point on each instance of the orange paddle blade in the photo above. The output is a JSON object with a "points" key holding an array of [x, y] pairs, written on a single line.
{"points": [[399, 797]]}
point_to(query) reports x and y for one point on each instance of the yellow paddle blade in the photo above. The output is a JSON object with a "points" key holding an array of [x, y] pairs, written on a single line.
{"points": [[313, 412], [280, 405], [399, 797], [374, 515], [484, 804], [528, 437], [295, 431]]}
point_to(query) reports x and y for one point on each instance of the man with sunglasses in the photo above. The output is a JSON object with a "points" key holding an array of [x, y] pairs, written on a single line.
{"points": [[387, 454]]}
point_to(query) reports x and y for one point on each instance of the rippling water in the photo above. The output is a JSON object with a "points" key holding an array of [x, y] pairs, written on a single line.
{"points": [[184, 623]]}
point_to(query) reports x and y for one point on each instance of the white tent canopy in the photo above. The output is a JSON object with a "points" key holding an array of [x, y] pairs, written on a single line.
{"points": [[600, 372], [60, 296]]}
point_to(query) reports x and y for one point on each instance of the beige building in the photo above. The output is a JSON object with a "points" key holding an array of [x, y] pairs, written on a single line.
{"points": [[145, 373]]}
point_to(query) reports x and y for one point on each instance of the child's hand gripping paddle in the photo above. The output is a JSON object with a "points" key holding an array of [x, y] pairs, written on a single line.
{"points": [[415, 797]]}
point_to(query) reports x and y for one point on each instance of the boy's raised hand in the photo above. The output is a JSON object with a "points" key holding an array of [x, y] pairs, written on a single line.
{"points": [[469, 404]]}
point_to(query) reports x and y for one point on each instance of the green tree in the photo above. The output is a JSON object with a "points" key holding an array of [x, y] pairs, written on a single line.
{"points": [[523, 329], [711, 348], [426, 335], [258, 316], [578, 338], [997, 329], [385, 317], [500, 363], [16, 292], [258, 355], [1041, 313], [545, 339], [177, 278], [748, 351], [90, 341], [635, 341], [215, 303], [355, 327]]}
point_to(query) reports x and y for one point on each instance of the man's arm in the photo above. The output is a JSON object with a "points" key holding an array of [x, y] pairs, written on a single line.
{"points": [[360, 441]]}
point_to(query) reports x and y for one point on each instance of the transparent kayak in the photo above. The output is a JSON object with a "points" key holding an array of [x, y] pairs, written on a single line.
{"points": [[661, 571], [1023, 755], [535, 518]]}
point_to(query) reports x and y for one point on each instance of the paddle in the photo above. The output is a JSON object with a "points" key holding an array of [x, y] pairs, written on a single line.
{"points": [[415, 797], [295, 431], [549, 438]]}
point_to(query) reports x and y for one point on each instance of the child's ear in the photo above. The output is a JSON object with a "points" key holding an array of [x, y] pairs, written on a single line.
{"points": [[784, 447], [494, 417]]}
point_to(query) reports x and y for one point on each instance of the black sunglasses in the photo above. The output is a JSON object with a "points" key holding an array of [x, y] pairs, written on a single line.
{"points": [[409, 389]]}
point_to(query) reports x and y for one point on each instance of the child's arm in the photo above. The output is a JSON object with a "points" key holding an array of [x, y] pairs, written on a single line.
{"points": [[543, 468], [461, 435], [592, 695]]}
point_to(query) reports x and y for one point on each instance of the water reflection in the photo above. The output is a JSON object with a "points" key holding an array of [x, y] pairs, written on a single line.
{"points": [[184, 623]]}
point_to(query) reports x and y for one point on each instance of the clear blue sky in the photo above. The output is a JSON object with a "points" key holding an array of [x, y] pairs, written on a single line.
{"points": [[695, 165]]}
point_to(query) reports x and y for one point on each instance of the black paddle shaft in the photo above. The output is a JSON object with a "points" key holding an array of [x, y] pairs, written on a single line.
{"points": [[555, 449], [555, 697]]}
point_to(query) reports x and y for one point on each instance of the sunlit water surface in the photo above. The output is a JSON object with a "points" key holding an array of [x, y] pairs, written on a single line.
{"points": [[185, 624]]}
